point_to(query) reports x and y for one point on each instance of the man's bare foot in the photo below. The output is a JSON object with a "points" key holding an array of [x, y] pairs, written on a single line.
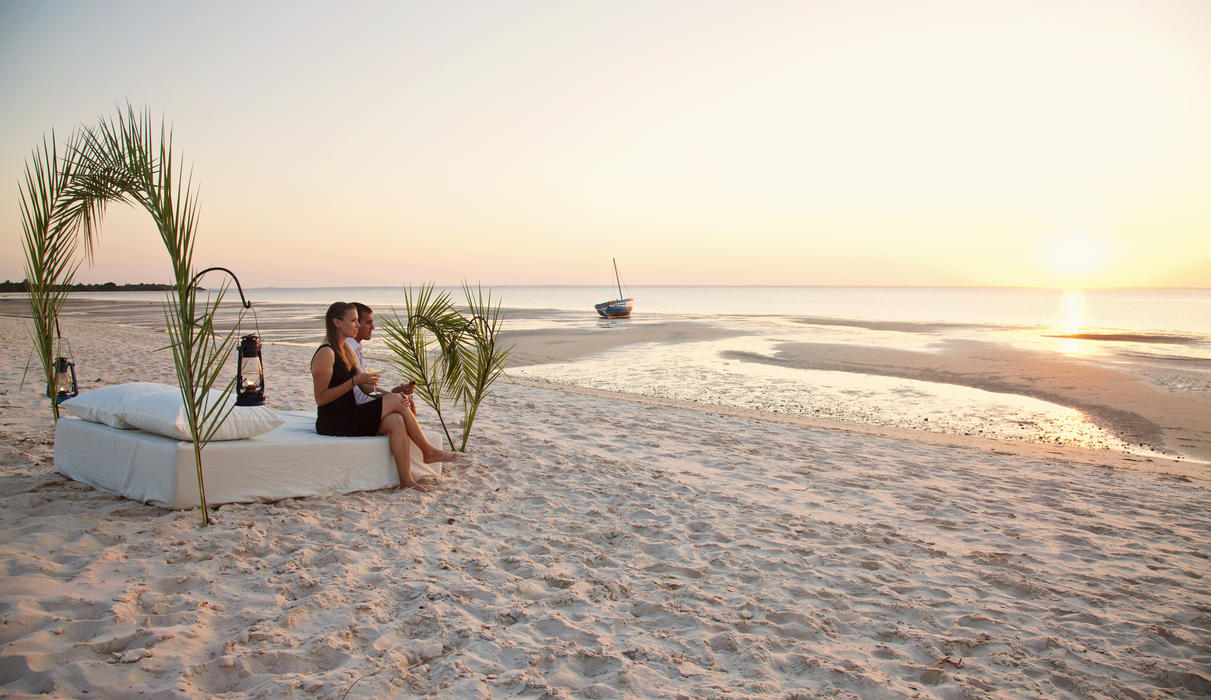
{"points": [[443, 456], [414, 485]]}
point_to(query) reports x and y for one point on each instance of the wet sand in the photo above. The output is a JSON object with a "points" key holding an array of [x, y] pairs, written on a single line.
{"points": [[541, 346], [1128, 405]]}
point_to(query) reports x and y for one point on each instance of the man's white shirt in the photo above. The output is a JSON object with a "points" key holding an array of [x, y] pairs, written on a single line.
{"points": [[359, 395]]}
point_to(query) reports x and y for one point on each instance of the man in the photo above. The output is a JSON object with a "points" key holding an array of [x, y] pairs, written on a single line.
{"points": [[365, 326]]}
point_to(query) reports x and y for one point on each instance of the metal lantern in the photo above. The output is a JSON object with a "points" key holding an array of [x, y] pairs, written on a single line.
{"points": [[250, 373], [65, 386]]}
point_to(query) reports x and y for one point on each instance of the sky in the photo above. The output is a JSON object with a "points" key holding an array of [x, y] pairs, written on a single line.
{"points": [[1058, 143]]}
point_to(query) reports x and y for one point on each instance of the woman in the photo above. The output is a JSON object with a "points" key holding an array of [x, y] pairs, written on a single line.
{"points": [[335, 371]]}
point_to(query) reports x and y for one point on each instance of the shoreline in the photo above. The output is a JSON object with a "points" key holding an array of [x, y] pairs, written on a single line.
{"points": [[1174, 426], [1191, 470]]}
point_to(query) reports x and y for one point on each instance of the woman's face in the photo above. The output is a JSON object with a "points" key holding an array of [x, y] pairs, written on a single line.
{"points": [[347, 324]]}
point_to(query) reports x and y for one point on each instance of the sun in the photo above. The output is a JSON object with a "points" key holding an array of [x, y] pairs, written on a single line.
{"points": [[1074, 257]]}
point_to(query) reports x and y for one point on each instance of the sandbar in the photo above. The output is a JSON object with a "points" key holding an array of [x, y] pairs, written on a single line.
{"points": [[1129, 405]]}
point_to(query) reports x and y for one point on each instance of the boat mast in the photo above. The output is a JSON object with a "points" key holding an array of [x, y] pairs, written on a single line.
{"points": [[616, 277]]}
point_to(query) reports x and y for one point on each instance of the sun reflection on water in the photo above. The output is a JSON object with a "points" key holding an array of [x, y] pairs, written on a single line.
{"points": [[1072, 320]]}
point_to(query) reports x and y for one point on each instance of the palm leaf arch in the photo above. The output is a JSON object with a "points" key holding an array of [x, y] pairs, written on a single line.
{"points": [[63, 203]]}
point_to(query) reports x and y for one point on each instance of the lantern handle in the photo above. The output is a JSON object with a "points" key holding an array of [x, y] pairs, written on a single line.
{"points": [[59, 335], [193, 282]]}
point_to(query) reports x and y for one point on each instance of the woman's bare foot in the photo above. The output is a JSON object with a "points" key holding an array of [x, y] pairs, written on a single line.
{"points": [[443, 456], [414, 485]]}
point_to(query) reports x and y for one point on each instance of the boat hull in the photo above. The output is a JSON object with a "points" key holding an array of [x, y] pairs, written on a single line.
{"points": [[619, 308]]}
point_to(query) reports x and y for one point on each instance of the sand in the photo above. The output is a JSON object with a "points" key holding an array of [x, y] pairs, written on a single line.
{"points": [[533, 347], [609, 547]]}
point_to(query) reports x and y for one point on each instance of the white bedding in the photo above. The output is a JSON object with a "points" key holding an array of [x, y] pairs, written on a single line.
{"points": [[288, 462]]}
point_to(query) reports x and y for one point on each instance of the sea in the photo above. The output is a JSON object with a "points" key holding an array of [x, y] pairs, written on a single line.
{"points": [[1163, 335]]}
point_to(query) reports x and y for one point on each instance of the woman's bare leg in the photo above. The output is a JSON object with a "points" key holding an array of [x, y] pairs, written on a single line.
{"points": [[393, 427], [394, 404]]}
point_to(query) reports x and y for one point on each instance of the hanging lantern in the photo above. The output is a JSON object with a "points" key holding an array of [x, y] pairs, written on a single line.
{"points": [[250, 374], [65, 386]]}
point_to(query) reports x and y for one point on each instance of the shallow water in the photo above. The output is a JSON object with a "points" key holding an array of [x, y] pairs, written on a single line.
{"points": [[699, 372], [1162, 335]]}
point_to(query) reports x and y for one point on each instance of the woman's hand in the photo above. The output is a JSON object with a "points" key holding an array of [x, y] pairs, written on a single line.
{"points": [[367, 378]]}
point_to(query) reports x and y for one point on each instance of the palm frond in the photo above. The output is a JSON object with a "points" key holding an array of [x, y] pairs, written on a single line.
{"points": [[413, 340], [121, 159], [49, 247], [484, 358], [449, 355]]}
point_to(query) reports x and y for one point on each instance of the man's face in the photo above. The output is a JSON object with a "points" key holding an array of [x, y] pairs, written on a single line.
{"points": [[365, 326]]}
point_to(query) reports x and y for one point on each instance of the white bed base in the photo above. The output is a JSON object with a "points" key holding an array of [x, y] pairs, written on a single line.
{"points": [[288, 462]]}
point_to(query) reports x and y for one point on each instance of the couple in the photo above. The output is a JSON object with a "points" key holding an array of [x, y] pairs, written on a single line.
{"points": [[339, 379]]}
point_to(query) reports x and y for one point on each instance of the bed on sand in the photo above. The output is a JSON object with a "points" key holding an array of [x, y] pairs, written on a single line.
{"points": [[290, 461]]}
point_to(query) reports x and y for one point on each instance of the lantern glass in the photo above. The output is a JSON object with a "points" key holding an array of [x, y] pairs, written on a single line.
{"points": [[250, 377], [250, 373], [65, 380]]}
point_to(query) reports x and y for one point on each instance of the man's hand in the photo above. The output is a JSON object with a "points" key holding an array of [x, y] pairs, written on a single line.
{"points": [[405, 390]]}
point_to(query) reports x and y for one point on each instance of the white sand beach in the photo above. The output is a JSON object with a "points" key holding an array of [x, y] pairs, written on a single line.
{"points": [[604, 546]]}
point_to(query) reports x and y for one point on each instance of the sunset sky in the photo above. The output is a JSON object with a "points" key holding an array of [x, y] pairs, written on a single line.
{"points": [[948, 142]]}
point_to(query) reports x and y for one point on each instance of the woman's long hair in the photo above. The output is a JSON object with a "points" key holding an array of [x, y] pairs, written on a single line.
{"points": [[334, 339]]}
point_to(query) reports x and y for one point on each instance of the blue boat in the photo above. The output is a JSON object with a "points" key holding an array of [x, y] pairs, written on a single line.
{"points": [[618, 308]]}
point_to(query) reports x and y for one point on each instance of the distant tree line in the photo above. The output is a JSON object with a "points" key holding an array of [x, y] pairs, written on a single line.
{"points": [[7, 286]]}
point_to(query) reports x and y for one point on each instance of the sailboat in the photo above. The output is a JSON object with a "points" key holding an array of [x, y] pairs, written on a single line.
{"points": [[618, 308]]}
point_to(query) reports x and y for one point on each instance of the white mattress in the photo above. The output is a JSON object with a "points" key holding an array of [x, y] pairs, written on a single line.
{"points": [[288, 462]]}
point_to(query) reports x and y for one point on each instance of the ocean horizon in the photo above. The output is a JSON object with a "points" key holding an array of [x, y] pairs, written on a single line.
{"points": [[1186, 310]]}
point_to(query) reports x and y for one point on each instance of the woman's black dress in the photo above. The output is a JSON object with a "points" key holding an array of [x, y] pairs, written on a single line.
{"points": [[344, 415]]}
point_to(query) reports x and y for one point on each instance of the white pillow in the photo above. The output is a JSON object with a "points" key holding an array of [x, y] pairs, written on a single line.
{"points": [[105, 404], [164, 414]]}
